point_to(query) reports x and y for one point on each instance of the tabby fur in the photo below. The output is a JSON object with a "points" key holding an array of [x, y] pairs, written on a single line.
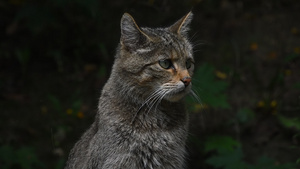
{"points": [[141, 121]]}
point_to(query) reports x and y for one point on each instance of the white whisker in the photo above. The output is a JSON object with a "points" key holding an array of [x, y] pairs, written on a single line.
{"points": [[156, 101], [148, 102], [193, 93], [160, 100]]}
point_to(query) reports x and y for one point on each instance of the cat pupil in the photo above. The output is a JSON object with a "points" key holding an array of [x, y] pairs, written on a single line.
{"points": [[167, 63], [188, 64]]}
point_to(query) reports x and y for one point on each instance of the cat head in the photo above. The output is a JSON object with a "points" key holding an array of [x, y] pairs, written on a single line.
{"points": [[157, 60]]}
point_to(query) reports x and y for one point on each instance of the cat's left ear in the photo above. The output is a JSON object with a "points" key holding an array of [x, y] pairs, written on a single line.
{"points": [[181, 27], [131, 34]]}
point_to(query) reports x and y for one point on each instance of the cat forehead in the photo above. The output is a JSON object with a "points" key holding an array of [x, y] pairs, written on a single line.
{"points": [[163, 39], [162, 35]]}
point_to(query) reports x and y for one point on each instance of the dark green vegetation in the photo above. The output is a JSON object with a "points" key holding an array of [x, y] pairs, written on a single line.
{"points": [[56, 55]]}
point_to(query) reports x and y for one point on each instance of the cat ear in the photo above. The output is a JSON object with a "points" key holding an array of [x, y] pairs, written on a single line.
{"points": [[131, 34], [181, 27]]}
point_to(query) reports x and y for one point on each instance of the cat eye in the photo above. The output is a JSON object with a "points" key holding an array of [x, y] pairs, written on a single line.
{"points": [[166, 63], [188, 64]]}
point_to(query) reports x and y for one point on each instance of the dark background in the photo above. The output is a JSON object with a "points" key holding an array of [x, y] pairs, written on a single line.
{"points": [[55, 56]]}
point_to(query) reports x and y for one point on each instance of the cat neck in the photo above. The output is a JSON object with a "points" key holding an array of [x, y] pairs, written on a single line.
{"points": [[135, 112]]}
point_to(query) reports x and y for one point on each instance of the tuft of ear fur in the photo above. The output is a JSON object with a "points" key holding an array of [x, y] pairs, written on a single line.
{"points": [[131, 34], [181, 27]]}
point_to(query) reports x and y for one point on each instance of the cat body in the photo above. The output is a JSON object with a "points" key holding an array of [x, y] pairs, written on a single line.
{"points": [[141, 121]]}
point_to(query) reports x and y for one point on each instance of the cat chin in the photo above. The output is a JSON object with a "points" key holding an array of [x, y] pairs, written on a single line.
{"points": [[174, 98], [177, 96]]}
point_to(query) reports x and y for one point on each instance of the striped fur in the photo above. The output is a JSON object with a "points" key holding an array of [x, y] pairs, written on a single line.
{"points": [[141, 121]]}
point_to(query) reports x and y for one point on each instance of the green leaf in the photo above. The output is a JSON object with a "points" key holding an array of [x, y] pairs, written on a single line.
{"points": [[76, 105], [60, 164], [290, 122], [265, 162], [221, 144], [23, 56], [6, 156], [290, 57], [230, 156], [211, 90], [297, 85], [244, 115], [27, 158], [55, 102], [228, 160], [102, 71]]}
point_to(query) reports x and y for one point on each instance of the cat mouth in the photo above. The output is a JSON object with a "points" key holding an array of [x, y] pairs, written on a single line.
{"points": [[178, 93]]}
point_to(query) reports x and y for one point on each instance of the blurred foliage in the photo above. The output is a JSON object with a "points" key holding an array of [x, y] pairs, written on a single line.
{"points": [[244, 115], [229, 155], [24, 157], [221, 144], [56, 54], [290, 122], [210, 90]]}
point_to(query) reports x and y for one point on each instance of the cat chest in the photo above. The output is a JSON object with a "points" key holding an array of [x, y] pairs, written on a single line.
{"points": [[155, 149]]}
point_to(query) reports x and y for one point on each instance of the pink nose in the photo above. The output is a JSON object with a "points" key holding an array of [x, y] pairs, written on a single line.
{"points": [[186, 81]]}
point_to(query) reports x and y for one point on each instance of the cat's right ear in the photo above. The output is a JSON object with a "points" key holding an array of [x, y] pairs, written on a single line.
{"points": [[131, 34], [181, 27]]}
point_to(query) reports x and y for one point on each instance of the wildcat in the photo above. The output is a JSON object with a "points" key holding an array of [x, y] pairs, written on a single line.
{"points": [[141, 121]]}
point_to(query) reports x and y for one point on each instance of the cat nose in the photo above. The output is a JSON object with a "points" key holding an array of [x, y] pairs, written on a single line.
{"points": [[186, 81]]}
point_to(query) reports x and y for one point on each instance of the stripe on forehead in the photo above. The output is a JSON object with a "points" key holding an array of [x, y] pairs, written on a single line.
{"points": [[179, 47], [166, 37], [143, 50], [172, 41]]}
